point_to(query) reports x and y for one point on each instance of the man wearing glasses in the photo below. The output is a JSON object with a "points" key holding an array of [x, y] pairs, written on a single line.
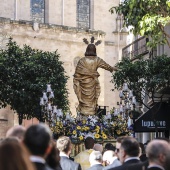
{"points": [[118, 144], [127, 152]]}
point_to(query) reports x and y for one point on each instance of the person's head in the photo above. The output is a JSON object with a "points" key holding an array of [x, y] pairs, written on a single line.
{"points": [[109, 146], [16, 131], [53, 158], [98, 147], [158, 152], [10, 139], [14, 155], [118, 144], [108, 157], [64, 145], [129, 148], [91, 50], [89, 143], [95, 158], [38, 139]]}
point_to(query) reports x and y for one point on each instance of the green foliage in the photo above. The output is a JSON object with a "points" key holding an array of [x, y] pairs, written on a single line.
{"points": [[24, 73], [144, 77], [148, 17]]}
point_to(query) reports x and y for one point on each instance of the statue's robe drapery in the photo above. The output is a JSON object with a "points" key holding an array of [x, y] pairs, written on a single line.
{"points": [[86, 83]]}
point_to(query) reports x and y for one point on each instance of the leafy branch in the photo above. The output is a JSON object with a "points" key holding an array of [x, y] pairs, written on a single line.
{"points": [[144, 77], [24, 73], [148, 18]]}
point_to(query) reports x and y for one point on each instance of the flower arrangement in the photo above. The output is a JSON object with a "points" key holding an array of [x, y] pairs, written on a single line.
{"points": [[107, 127]]}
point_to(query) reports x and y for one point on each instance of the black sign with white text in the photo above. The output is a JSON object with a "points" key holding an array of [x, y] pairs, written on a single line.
{"points": [[157, 117]]}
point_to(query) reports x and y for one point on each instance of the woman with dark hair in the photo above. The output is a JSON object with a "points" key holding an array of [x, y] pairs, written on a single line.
{"points": [[86, 83], [53, 159], [14, 155]]}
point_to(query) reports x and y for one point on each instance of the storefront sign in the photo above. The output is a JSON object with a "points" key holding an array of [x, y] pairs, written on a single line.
{"points": [[158, 117]]}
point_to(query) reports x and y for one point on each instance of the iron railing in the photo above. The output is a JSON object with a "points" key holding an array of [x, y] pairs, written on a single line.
{"points": [[136, 48]]}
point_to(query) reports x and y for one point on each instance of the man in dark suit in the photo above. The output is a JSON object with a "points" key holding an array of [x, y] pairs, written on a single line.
{"points": [[37, 139], [128, 153], [158, 152], [64, 146], [95, 160]]}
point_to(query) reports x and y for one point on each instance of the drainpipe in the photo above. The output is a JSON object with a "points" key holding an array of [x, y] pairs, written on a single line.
{"points": [[62, 17], [15, 10]]}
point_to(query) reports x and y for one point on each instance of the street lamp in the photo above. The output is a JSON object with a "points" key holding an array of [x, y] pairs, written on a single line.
{"points": [[49, 111], [127, 105]]}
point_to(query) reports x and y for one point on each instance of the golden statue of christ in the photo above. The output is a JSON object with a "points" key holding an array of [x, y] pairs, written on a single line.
{"points": [[86, 83]]}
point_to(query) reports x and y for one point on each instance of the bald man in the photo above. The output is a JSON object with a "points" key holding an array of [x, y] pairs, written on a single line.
{"points": [[98, 147], [158, 152], [17, 131]]}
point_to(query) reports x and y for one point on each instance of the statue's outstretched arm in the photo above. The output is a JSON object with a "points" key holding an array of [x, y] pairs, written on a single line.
{"points": [[104, 65]]}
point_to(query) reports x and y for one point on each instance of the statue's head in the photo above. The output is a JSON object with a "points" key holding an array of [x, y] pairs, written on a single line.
{"points": [[91, 50]]}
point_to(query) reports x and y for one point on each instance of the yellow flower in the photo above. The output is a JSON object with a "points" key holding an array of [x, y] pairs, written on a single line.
{"points": [[114, 124], [87, 128], [97, 136], [118, 132], [119, 116], [97, 130], [81, 138], [104, 136], [74, 132], [84, 121], [97, 127], [61, 125], [78, 127]]}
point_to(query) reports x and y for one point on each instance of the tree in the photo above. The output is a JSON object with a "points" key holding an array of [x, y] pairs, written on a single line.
{"points": [[144, 76], [24, 74], [148, 18]]}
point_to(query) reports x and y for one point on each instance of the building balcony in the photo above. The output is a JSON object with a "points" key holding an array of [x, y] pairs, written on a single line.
{"points": [[136, 48]]}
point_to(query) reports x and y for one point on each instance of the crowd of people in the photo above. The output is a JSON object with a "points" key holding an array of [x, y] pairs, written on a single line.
{"points": [[35, 149]]}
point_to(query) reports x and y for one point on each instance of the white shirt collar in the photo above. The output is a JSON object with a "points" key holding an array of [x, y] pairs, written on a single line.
{"points": [[95, 163], [63, 154], [39, 159]]}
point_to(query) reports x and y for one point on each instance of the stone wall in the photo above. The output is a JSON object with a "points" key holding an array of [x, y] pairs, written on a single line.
{"points": [[6, 120], [60, 33], [68, 42]]}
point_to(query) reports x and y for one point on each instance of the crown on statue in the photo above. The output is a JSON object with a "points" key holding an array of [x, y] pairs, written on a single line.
{"points": [[92, 41]]}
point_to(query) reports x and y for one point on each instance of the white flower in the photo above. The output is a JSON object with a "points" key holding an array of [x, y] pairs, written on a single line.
{"points": [[90, 117], [74, 136]]}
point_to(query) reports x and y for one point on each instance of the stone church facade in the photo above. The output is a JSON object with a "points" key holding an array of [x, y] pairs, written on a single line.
{"points": [[61, 25]]}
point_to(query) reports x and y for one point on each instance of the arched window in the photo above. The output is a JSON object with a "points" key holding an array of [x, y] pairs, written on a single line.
{"points": [[83, 13], [37, 10]]}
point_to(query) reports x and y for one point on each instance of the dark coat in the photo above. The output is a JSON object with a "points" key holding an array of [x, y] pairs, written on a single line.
{"points": [[68, 164], [125, 165], [41, 166], [154, 168], [140, 166]]}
